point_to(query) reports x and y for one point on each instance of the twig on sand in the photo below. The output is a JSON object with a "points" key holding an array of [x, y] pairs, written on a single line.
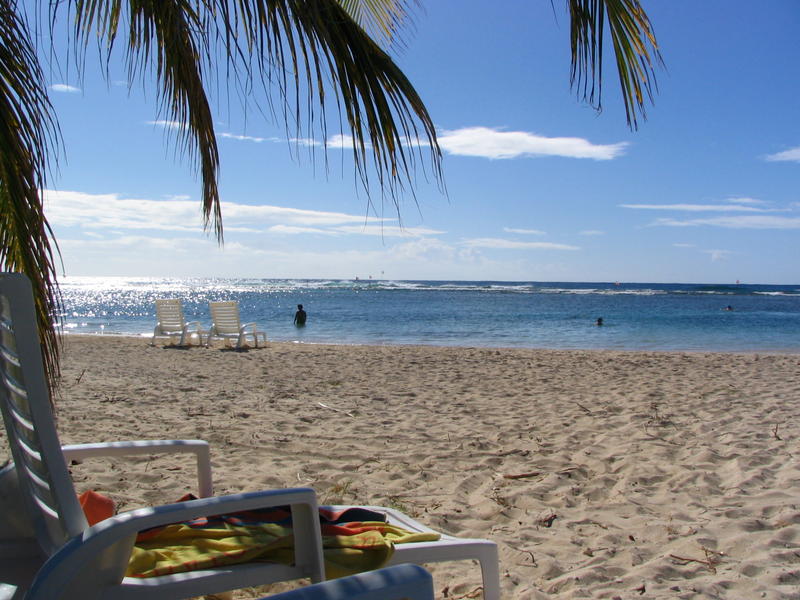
{"points": [[775, 433], [584, 409], [522, 475], [335, 409], [711, 561]]}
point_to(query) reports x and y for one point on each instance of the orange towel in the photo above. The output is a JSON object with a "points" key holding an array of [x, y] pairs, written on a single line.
{"points": [[96, 507]]}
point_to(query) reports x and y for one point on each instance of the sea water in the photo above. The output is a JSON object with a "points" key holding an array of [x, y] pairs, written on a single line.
{"points": [[636, 316]]}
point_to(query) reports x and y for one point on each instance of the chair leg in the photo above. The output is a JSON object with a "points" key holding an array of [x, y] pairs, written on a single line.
{"points": [[490, 572]]}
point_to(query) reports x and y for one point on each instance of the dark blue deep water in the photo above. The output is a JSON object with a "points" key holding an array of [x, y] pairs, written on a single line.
{"points": [[637, 316]]}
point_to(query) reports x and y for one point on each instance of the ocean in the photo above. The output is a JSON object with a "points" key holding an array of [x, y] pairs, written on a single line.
{"points": [[636, 316]]}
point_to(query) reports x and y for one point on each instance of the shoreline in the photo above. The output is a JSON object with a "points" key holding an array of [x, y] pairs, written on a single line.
{"points": [[162, 342], [596, 472]]}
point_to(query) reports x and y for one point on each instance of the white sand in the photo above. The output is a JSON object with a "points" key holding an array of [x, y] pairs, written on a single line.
{"points": [[599, 474]]}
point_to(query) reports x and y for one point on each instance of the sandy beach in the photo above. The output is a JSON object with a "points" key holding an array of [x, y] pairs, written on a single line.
{"points": [[599, 474]]}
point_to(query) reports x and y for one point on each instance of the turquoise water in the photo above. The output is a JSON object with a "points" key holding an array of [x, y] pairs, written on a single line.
{"points": [[637, 316]]}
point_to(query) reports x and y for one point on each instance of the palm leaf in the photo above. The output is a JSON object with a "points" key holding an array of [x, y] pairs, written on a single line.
{"points": [[635, 50], [382, 19], [167, 36], [301, 49], [28, 134]]}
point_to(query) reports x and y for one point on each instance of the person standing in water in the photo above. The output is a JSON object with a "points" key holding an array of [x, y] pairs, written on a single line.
{"points": [[300, 316]]}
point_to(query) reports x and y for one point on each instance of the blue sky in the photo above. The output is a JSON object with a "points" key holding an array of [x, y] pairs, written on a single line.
{"points": [[539, 186]]}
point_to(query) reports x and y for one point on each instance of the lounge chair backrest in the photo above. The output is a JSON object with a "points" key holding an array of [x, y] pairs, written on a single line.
{"points": [[169, 314], [42, 472], [225, 317]]}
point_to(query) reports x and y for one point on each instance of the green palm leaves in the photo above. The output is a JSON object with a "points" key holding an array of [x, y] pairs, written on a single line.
{"points": [[28, 134], [635, 50], [303, 50]]}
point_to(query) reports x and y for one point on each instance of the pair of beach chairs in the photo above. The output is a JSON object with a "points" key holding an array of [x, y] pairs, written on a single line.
{"points": [[225, 324], [48, 551]]}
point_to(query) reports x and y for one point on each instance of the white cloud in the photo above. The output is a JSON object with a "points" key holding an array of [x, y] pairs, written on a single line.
{"points": [[429, 249], [388, 231], [111, 212], [64, 88], [294, 230], [248, 213], [792, 154], [494, 144], [341, 142], [745, 201], [305, 142], [247, 138], [700, 207], [524, 231], [514, 245], [167, 124], [591, 232], [718, 255], [735, 222]]}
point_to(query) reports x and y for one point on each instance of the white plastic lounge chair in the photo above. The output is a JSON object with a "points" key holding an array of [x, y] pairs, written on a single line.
{"points": [[226, 325], [409, 582], [446, 549], [171, 323], [46, 545]]}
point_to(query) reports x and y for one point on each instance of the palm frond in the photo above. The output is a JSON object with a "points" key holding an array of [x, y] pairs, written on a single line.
{"points": [[383, 20], [308, 49], [169, 36], [304, 50], [635, 49], [28, 135]]}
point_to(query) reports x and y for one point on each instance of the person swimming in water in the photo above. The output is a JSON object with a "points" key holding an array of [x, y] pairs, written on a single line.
{"points": [[599, 321], [300, 316]]}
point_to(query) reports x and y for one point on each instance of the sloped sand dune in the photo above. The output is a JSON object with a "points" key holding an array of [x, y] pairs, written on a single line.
{"points": [[599, 474]]}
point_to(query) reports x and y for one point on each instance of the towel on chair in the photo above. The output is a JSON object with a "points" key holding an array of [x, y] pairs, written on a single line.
{"points": [[348, 547]]}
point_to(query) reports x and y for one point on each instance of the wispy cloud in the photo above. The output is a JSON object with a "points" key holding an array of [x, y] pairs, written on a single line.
{"points": [[496, 144], [736, 206], [746, 201], [718, 255], [524, 231], [110, 212], [341, 142], [167, 124], [734, 222], [388, 230], [792, 155], [295, 230], [305, 142], [247, 138], [515, 245], [64, 88], [683, 245], [470, 141]]}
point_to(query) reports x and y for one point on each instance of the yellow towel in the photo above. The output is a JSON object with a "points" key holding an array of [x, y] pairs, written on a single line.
{"points": [[348, 547]]}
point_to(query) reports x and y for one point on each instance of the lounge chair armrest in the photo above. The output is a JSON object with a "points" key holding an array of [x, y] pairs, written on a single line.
{"points": [[104, 549], [244, 326], [199, 448], [196, 325], [390, 583]]}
